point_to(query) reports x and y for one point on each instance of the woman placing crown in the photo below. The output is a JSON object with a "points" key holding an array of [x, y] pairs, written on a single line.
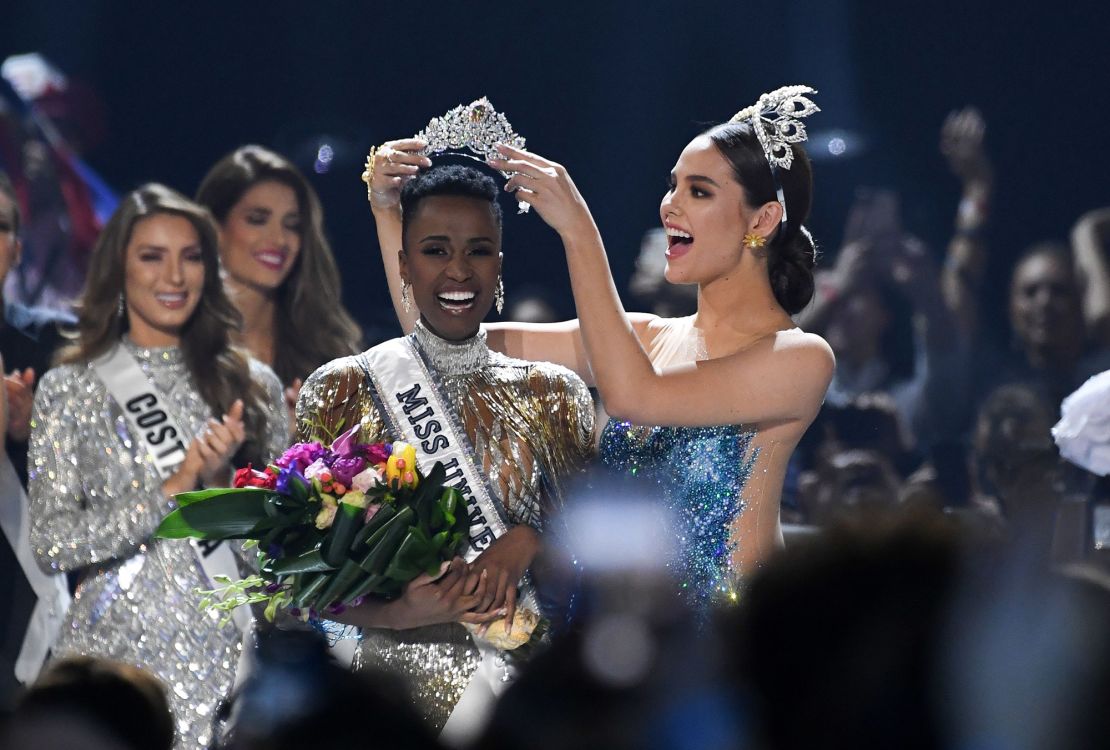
{"points": [[710, 406]]}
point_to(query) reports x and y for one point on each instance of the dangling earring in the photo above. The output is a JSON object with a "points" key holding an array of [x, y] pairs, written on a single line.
{"points": [[121, 308], [754, 241], [406, 299], [499, 295]]}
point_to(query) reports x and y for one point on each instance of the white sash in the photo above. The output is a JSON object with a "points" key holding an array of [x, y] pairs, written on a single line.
{"points": [[414, 407], [152, 423], [50, 591]]}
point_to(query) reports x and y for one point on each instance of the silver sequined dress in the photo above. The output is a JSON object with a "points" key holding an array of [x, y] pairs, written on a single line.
{"points": [[531, 426], [95, 500]]}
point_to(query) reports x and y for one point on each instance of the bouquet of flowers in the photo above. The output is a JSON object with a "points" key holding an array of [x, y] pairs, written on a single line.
{"points": [[333, 524]]}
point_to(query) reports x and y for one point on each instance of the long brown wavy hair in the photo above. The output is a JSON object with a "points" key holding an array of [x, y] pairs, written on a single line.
{"points": [[220, 370], [312, 326]]}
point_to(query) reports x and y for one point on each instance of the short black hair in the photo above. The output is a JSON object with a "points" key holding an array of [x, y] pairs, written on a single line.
{"points": [[449, 179], [8, 190]]}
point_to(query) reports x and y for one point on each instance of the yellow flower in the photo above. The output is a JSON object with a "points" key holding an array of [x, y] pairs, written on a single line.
{"points": [[326, 515], [401, 466], [355, 498]]}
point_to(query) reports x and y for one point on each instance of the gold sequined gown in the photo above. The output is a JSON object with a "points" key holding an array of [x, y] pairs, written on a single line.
{"points": [[531, 426], [94, 501]]}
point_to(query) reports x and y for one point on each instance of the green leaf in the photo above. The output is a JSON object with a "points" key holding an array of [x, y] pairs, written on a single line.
{"points": [[366, 586], [309, 586], [381, 518], [309, 562], [348, 520], [229, 515], [415, 553], [188, 498], [339, 582], [384, 543]]}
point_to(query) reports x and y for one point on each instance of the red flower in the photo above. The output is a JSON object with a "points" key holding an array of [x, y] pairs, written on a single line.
{"points": [[378, 453], [248, 477]]}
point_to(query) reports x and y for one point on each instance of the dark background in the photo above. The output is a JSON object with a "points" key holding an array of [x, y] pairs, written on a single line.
{"points": [[613, 90]]}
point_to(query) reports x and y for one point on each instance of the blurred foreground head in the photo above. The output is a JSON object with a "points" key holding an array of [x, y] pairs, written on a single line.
{"points": [[298, 697], [905, 632], [87, 702]]}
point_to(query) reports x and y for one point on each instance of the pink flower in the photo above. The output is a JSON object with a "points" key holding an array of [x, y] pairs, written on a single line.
{"points": [[366, 479], [318, 470]]}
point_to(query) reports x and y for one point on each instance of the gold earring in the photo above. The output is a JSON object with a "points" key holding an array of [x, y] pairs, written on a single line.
{"points": [[754, 241], [499, 295], [406, 298]]}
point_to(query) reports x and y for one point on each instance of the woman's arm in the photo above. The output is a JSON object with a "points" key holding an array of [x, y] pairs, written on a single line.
{"points": [[395, 162], [781, 378], [69, 528], [1088, 240]]}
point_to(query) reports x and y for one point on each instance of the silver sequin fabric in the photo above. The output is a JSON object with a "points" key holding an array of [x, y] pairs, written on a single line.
{"points": [[531, 427], [95, 501]]}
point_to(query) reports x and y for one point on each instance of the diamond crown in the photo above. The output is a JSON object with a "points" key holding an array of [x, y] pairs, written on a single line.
{"points": [[775, 118], [477, 127]]}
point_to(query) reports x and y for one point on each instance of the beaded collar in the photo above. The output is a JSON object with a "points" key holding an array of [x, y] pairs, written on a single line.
{"points": [[452, 357], [164, 354]]}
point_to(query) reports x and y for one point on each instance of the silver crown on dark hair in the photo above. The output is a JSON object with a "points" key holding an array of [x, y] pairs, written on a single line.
{"points": [[476, 127], [775, 118]]}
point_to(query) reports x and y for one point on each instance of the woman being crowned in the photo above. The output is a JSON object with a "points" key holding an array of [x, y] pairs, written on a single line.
{"points": [[509, 432]]}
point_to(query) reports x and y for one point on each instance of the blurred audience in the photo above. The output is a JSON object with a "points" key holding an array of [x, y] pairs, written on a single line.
{"points": [[29, 336]]}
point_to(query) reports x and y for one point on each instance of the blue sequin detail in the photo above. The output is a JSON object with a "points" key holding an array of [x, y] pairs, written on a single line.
{"points": [[701, 473]]}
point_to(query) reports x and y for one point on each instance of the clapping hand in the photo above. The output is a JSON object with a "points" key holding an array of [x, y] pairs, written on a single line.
{"points": [[211, 451], [20, 388]]}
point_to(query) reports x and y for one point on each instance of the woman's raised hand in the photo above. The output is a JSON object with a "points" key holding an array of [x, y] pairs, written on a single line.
{"points": [[546, 185], [393, 164], [209, 455]]}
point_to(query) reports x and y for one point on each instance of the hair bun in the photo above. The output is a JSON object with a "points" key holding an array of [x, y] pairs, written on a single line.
{"points": [[791, 270]]}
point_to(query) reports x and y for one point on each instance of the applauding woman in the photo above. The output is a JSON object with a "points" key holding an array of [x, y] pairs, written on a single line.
{"points": [[710, 406], [151, 400]]}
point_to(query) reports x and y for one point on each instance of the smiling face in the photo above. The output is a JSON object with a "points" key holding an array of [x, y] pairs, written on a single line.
{"points": [[261, 237], [452, 258], [163, 278], [704, 215]]}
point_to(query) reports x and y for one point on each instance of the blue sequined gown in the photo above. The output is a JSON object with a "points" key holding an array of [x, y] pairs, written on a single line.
{"points": [[701, 474]]}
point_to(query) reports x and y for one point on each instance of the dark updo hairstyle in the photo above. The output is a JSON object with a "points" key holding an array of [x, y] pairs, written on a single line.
{"points": [[449, 179], [791, 254]]}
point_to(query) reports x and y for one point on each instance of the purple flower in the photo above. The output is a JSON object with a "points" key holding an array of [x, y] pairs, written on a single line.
{"points": [[345, 468], [287, 475], [299, 455], [345, 444], [273, 588]]}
